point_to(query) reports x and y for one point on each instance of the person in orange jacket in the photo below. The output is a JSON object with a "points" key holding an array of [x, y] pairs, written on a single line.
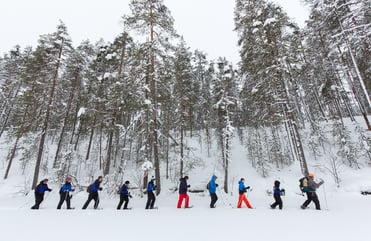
{"points": [[242, 197]]}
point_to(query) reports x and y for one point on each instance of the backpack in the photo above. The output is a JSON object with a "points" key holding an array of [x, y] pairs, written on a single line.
{"points": [[303, 184], [208, 186], [89, 189]]}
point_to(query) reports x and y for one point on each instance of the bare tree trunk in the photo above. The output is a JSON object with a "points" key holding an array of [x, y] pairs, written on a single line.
{"points": [[46, 120], [154, 107], [109, 147], [91, 137], [69, 104]]}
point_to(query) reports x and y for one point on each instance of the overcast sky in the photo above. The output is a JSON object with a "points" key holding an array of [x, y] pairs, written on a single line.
{"points": [[205, 24]]}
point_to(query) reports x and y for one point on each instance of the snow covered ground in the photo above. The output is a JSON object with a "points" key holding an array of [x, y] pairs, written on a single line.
{"points": [[345, 217]]}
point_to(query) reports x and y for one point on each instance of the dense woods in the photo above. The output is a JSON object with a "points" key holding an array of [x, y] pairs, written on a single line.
{"points": [[98, 108]]}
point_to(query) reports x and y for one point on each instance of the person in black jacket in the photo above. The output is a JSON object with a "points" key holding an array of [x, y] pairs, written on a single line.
{"points": [[93, 193], [151, 198], [39, 193], [124, 195], [183, 188]]}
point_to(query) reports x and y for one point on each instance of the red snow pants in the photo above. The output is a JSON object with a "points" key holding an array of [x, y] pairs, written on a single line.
{"points": [[243, 198], [180, 201]]}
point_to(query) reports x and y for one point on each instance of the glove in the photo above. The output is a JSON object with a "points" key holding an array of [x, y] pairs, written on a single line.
{"points": [[72, 190], [248, 187], [50, 190], [189, 186], [100, 189], [216, 185], [130, 196]]}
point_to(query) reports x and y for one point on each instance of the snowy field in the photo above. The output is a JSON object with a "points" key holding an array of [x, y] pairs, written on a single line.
{"points": [[345, 214], [345, 217]]}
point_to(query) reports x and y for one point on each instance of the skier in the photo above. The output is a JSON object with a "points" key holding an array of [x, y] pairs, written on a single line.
{"points": [[151, 198], [183, 188], [93, 193], [40, 190], [242, 197], [124, 195], [277, 192], [311, 193], [64, 193], [212, 191]]}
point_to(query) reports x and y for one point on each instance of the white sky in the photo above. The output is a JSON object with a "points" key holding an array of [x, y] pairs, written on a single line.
{"points": [[206, 25]]}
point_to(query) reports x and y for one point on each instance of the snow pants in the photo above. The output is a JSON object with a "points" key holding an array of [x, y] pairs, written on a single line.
{"points": [[183, 196], [123, 198], [214, 198], [92, 196], [151, 198], [311, 196], [65, 196], [243, 198], [278, 201], [39, 197]]}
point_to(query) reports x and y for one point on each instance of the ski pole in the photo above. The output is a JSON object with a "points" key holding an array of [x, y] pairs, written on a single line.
{"points": [[324, 193]]}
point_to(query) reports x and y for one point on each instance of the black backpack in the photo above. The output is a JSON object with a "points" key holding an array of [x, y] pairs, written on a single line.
{"points": [[303, 184], [89, 189], [208, 186]]}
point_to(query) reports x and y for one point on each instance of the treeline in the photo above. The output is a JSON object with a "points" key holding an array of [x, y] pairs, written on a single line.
{"points": [[108, 105]]}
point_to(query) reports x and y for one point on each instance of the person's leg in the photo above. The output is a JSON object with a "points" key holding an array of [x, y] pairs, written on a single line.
{"points": [[153, 200], [306, 203], [316, 201], [148, 204], [246, 201], [180, 200], [39, 200], [274, 205], [279, 201], [214, 198], [126, 200], [120, 202], [186, 200], [90, 197], [61, 200], [96, 200], [239, 203], [68, 200]]}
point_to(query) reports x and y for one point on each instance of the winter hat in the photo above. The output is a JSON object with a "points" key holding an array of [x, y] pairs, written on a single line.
{"points": [[310, 175], [186, 177], [153, 178], [127, 182], [45, 180]]}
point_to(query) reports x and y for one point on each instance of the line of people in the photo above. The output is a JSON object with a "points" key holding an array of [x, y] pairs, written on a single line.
{"points": [[66, 190]]}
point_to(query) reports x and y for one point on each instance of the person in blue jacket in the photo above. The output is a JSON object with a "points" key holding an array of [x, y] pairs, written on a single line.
{"points": [[277, 192], [93, 193], [64, 193], [40, 190], [151, 198], [212, 190], [124, 195]]}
